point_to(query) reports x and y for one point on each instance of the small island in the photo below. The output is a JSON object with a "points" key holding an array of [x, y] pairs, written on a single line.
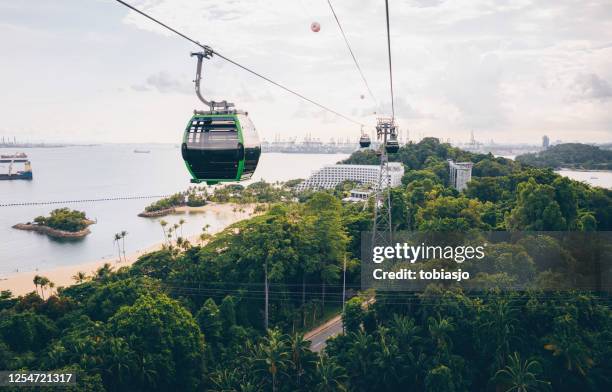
{"points": [[61, 223], [168, 205], [575, 156]]}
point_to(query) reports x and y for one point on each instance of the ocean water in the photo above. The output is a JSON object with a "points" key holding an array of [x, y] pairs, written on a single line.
{"points": [[596, 178], [108, 171]]}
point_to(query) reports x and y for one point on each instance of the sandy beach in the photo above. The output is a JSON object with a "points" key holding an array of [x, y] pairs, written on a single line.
{"points": [[21, 283]]}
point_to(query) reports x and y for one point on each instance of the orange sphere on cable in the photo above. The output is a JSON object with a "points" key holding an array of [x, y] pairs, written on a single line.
{"points": [[315, 27]]}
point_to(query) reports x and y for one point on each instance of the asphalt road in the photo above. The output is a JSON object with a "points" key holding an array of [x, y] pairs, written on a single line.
{"points": [[318, 337]]}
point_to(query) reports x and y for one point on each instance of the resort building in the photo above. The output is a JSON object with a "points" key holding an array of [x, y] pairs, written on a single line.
{"points": [[357, 195], [331, 175], [460, 174]]}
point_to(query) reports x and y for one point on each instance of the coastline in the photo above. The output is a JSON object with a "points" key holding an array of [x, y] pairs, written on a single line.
{"points": [[582, 170], [20, 283]]}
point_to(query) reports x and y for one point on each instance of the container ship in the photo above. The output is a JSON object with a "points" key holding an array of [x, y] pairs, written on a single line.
{"points": [[19, 155], [11, 173]]}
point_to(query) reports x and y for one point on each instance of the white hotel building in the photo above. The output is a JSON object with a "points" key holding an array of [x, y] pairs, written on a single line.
{"points": [[331, 175], [460, 174]]}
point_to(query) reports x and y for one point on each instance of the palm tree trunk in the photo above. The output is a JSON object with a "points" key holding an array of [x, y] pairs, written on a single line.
{"points": [[123, 240], [304, 299], [323, 297]]}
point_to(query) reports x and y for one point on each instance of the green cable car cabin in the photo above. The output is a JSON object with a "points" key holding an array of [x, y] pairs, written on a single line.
{"points": [[220, 147]]}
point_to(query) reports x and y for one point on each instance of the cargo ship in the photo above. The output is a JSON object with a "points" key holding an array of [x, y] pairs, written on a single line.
{"points": [[11, 174], [19, 155]]}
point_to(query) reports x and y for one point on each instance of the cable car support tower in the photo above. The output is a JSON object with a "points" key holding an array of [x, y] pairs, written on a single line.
{"points": [[382, 229], [386, 133]]}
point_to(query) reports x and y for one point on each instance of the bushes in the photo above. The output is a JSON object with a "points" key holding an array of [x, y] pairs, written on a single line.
{"points": [[176, 200]]}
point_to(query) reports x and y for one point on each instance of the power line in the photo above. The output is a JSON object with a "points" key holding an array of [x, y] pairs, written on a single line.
{"points": [[390, 67], [207, 48], [42, 203], [331, 7]]}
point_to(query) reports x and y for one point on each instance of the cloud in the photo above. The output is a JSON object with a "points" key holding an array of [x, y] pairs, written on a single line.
{"points": [[165, 83], [503, 68], [591, 86], [427, 3]]}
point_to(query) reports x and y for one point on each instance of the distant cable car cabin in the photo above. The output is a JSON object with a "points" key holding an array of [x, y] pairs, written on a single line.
{"points": [[221, 144], [364, 141]]}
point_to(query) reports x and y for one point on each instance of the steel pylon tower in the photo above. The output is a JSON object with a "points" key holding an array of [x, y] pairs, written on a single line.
{"points": [[382, 229]]}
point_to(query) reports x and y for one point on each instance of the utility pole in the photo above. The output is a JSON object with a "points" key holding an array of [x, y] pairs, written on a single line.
{"points": [[343, 289], [266, 289]]}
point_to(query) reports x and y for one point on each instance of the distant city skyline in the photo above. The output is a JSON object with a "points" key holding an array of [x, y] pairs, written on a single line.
{"points": [[90, 71]]}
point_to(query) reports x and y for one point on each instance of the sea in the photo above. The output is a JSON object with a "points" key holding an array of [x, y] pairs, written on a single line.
{"points": [[107, 172], [115, 171]]}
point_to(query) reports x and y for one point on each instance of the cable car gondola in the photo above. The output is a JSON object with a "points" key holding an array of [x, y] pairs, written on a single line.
{"points": [[221, 144], [364, 141], [392, 145]]}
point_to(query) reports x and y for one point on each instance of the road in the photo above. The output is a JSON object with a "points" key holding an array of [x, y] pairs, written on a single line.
{"points": [[318, 336]]}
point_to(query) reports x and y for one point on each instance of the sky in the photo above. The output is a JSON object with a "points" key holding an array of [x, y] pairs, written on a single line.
{"points": [[510, 71]]}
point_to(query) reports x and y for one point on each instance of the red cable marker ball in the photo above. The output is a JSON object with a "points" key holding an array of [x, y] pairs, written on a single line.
{"points": [[315, 26]]}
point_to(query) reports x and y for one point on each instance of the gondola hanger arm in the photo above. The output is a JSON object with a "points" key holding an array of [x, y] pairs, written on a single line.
{"points": [[207, 53], [224, 106]]}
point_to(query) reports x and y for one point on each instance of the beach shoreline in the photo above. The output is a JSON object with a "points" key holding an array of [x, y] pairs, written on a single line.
{"points": [[20, 283]]}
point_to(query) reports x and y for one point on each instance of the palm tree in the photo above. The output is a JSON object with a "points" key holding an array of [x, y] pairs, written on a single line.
{"points": [[181, 223], [225, 380], [273, 354], [117, 239], [439, 329], [80, 277], [331, 376], [204, 236], [405, 330], [120, 360], [163, 224], [300, 348], [104, 271], [37, 280], [123, 234], [54, 356], [43, 282], [185, 244], [170, 230], [176, 226], [521, 376]]}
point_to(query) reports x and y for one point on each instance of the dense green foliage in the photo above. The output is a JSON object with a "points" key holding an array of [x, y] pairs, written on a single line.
{"points": [[256, 192], [192, 318], [64, 219], [449, 341], [570, 155]]}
